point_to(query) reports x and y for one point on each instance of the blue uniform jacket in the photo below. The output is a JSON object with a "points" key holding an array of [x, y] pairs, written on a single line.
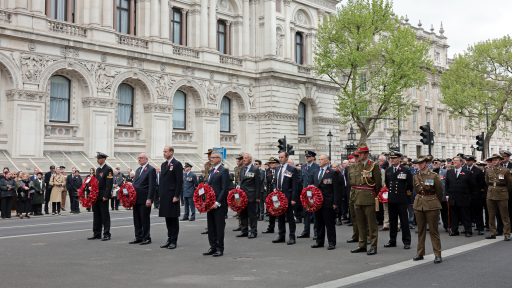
{"points": [[190, 184], [308, 173]]}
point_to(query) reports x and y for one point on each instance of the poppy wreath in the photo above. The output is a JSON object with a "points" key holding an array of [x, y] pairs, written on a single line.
{"points": [[381, 195], [237, 207], [205, 201], [314, 202], [92, 183], [127, 200], [281, 208]]}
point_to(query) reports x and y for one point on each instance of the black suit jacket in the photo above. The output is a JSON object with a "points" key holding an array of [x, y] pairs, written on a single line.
{"points": [[479, 178], [398, 187], [289, 185], [346, 189], [105, 177], [144, 184], [219, 181], [47, 177], [251, 185], [459, 189], [171, 183], [331, 191]]}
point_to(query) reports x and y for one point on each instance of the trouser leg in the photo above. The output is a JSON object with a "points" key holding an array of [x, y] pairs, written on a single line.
{"points": [[492, 206], [421, 221], [432, 219]]}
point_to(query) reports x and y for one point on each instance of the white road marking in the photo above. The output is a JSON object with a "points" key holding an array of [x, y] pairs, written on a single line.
{"points": [[401, 266], [58, 223]]}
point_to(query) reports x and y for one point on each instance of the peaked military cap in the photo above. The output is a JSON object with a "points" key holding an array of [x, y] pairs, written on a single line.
{"points": [[310, 153], [437, 159], [422, 158], [188, 165], [362, 147], [470, 158], [405, 163], [480, 163], [386, 153], [505, 153], [240, 156], [273, 160], [448, 159], [100, 155], [209, 151], [442, 160], [394, 154], [415, 161], [461, 155], [62, 167]]}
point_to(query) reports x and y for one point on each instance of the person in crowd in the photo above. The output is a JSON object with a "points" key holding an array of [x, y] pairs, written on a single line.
{"points": [[92, 172], [32, 178], [57, 181], [130, 178], [118, 182], [38, 196], [64, 188], [269, 188], [261, 196], [156, 196], [25, 190], [308, 169], [69, 184], [74, 183], [190, 184], [17, 179], [101, 215], [499, 183], [250, 183], [7, 191], [477, 205]]}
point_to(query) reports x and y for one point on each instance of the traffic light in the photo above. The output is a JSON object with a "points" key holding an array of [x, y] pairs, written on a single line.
{"points": [[289, 149], [282, 144], [425, 134], [480, 142]]}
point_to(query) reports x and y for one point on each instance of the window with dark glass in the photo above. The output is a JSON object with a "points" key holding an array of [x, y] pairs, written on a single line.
{"points": [[302, 118], [299, 48], [221, 36], [225, 106], [176, 24], [59, 9], [178, 116], [125, 105], [123, 16], [59, 99]]}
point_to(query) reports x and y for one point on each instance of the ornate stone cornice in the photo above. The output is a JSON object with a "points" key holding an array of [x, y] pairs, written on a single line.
{"points": [[325, 120], [271, 115], [278, 82], [206, 112], [193, 12], [26, 95], [99, 102], [158, 108], [328, 90], [248, 116]]}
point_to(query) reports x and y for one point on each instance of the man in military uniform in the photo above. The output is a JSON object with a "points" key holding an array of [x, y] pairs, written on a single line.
{"points": [[499, 184], [269, 188], [101, 215], [429, 193], [507, 164], [238, 170], [365, 178], [207, 167], [398, 179], [477, 205], [307, 170]]}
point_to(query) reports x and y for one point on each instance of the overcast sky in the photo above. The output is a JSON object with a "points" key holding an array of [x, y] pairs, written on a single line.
{"points": [[465, 22]]}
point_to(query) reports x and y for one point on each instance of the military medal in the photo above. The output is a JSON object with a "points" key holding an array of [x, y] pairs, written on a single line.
{"points": [[501, 177]]}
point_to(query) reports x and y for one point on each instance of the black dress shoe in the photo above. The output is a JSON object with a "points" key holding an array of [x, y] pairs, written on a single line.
{"points": [[407, 247], [507, 238], [490, 237], [298, 221], [166, 244], [314, 237], [331, 247], [418, 257], [183, 219], [390, 244], [303, 236], [446, 229], [352, 241], [268, 231], [260, 219], [192, 219], [481, 232], [105, 238], [468, 234], [204, 232], [316, 245], [210, 252], [358, 250], [94, 237], [371, 252], [279, 240], [135, 241], [350, 224], [267, 220], [290, 242], [456, 233], [463, 231], [253, 235], [145, 242], [499, 233], [172, 246], [242, 235], [238, 229], [218, 254], [438, 260]]}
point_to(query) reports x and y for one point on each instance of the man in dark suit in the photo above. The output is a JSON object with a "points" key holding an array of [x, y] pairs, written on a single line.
{"points": [[101, 215], [476, 197], [261, 195], [308, 170], [156, 197], [459, 185], [398, 180], [171, 183], [201, 178], [73, 183], [250, 183], [190, 184], [47, 177], [218, 179], [326, 179], [144, 185], [286, 182]]}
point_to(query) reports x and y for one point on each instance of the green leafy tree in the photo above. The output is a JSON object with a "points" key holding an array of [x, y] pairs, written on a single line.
{"points": [[365, 50], [481, 74]]}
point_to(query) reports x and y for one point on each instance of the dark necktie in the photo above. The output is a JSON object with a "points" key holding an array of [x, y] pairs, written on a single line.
{"points": [[137, 174], [321, 174], [210, 175], [279, 181]]}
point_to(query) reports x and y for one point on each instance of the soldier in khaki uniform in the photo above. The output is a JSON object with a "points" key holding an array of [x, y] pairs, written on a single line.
{"points": [[429, 194], [366, 181], [499, 182], [238, 170]]}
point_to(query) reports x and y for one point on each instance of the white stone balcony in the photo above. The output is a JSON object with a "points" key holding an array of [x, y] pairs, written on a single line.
{"points": [[65, 28], [5, 17], [304, 69], [132, 41], [230, 60], [184, 51]]}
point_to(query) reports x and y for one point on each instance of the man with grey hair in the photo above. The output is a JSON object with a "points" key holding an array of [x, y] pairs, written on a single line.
{"points": [[250, 183]]}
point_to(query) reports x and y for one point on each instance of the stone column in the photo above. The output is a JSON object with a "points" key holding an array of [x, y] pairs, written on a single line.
{"points": [[86, 13], [132, 17], [212, 21], [292, 44], [154, 19], [184, 27], [305, 40], [95, 12], [48, 10], [204, 24], [228, 38], [270, 28], [108, 13], [287, 47], [37, 6], [21, 4], [245, 29], [158, 127], [164, 19]]}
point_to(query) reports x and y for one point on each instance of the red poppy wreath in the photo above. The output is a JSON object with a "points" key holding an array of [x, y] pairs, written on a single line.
{"points": [[311, 198], [204, 198], [237, 200], [88, 193], [276, 203], [130, 198], [383, 195]]}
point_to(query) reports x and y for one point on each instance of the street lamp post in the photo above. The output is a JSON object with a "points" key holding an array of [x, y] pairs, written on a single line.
{"points": [[395, 144], [329, 138], [472, 150], [351, 147], [487, 135]]}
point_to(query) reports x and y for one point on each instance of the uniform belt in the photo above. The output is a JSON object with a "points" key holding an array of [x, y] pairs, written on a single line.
{"points": [[498, 185], [369, 188], [427, 193]]}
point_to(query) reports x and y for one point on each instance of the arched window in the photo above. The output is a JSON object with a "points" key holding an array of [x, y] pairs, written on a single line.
{"points": [[63, 10], [176, 24], [225, 106], [302, 118], [178, 117], [59, 99], [125, 105], [221, 36], [124, 14], [299, 48]]}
